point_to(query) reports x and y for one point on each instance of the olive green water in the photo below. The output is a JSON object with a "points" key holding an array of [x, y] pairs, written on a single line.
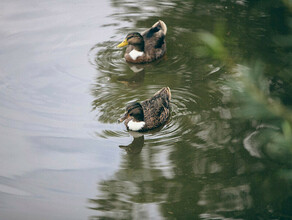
{"points": [[64, 84]]}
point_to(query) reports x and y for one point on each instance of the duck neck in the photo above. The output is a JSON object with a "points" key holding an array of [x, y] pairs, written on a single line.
{"points": [[139, 47]]}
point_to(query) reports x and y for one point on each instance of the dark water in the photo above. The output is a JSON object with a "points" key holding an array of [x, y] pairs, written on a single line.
{"points": [[64, 84]]}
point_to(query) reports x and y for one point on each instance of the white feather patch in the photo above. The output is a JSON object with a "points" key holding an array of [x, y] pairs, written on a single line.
{"points": [[135, 53], [136, 126]]}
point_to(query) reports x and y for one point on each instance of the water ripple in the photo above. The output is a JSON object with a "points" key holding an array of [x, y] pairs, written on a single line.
{"points": [[189, 77]]}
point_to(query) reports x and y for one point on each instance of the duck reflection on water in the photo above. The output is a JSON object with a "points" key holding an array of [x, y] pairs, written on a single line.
{"points": [[135, 80], [139, 70], [135, 147]]}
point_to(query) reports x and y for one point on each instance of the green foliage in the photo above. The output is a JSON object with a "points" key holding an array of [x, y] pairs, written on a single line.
{"points": [[251, 88], [215, 46], [253, 84]]}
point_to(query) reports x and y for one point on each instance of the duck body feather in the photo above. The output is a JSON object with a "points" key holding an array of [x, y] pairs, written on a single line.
{"points": [[156, 109], [156, 112]]}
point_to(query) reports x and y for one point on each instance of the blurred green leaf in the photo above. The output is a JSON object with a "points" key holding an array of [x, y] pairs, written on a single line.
{"points": [[287, 131], [213, 43]]}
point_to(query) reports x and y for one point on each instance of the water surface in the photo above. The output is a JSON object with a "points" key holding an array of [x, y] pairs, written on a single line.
{"points": [[64, 84]]}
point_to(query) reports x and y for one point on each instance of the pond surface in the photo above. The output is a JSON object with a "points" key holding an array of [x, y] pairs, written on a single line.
{"points": [[64, 84]]}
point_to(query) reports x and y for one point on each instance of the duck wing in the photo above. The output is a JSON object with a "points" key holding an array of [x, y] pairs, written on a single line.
{"points": [[154, 39], [157, 109], [159, 28]]}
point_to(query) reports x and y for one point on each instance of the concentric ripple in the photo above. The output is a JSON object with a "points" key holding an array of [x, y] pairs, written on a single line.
{"points": [[192, 83]]}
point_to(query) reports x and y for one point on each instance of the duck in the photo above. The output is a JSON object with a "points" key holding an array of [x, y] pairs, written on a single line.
{"points": [[149, 114], [146, 47]]}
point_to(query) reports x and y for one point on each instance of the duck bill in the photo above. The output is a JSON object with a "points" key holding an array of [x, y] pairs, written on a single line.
{"points": [[124, 43], [123, 118]]}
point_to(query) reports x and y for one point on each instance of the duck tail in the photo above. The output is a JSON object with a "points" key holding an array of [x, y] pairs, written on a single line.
{"points": [[166, 91], [162, 25]]}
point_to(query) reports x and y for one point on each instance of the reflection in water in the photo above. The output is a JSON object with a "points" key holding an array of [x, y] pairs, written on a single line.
{"points": [[198, 165], [133, 81], [204, 163], [137, 144]]}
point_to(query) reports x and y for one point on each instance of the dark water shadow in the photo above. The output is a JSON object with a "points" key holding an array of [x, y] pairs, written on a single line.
{"points": [[197, 165]]}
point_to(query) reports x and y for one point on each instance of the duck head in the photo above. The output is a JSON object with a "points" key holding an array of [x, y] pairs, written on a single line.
{"points": [[135, 39], [134, 117]]}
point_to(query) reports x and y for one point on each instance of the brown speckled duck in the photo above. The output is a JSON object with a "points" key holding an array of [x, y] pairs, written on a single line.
{"points": [[147, 46], [150, 113]]}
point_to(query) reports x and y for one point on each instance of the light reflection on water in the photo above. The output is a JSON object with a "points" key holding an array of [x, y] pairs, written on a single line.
{"points": [[63, 153], [48, 151], [195, 165]]}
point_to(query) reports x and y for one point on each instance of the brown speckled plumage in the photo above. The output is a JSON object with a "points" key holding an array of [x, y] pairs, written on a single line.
{"points": [[154, 111], [154, 44], [157, 109]]}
